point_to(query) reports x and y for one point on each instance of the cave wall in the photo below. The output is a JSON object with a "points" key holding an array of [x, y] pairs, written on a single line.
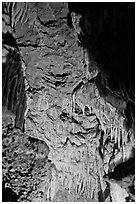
{"points": [[13, 87], [68, 103]]}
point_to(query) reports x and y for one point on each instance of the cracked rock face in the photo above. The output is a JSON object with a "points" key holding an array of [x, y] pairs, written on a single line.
{"points": [[68, 102]]}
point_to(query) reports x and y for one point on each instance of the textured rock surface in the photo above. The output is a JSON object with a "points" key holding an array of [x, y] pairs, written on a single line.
{"points": [[25, 165], [68, 119], [13, 87]]}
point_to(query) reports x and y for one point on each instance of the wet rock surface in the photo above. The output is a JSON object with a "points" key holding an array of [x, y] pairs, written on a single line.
{"points": [[68, 105]]}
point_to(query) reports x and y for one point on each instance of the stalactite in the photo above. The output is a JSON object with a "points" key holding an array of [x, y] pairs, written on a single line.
{"points": [[111, 132], [119, 138], [115, 135]]}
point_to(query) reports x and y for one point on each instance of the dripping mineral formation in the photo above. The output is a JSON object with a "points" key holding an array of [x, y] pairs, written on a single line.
{"points": [[68, 82]]}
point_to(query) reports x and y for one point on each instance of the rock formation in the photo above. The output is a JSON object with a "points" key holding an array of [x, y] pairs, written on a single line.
{"points": [[68, 96]]}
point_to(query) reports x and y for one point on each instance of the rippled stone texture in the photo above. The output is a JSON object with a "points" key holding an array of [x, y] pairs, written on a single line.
{"points": [[78, 126]]}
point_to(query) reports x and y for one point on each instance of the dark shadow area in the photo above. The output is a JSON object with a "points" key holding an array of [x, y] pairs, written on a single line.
{"points": [[123, 170], [8, 195], [132, 189], [8, 39], [109, 36], [101, 196]]}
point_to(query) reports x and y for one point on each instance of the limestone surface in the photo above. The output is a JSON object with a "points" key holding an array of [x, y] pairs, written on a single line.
{"points": [[66, 128]]}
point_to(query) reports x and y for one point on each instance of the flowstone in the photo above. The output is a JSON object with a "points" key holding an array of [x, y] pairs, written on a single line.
{"points": [[66, 128]]}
